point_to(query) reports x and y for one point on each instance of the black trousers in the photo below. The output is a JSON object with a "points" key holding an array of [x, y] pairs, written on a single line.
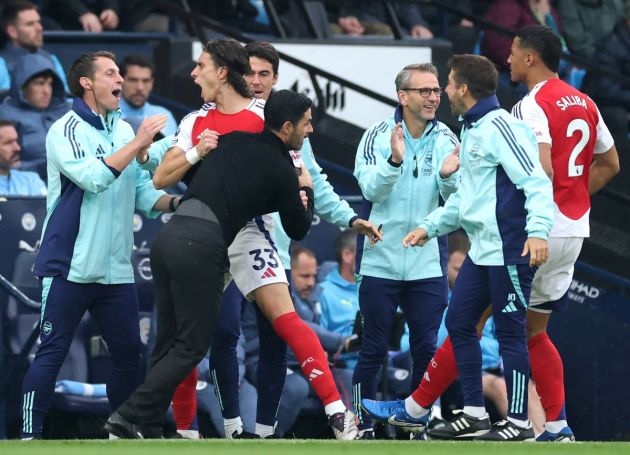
{"points": [[188, 259]]}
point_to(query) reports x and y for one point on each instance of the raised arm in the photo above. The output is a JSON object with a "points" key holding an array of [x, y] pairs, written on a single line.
{"points": [[377, 163]]}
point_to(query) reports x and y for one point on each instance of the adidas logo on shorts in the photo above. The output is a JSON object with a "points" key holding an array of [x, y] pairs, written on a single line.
{"points": [[269, 273]]}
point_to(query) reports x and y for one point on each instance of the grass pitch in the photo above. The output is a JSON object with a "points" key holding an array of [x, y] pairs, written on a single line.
{"points": [[302, 447]]}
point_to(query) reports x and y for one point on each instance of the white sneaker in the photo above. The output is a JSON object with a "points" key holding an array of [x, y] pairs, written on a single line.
{"points": [[344, 425], [188, 434]]}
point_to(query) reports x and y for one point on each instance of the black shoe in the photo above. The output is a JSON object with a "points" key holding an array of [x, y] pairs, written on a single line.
{"points": [[152, 431], [462, 427], [272, 436], [245, 435], [366, 435], [505, 430], [120, 427], [436, 422]]}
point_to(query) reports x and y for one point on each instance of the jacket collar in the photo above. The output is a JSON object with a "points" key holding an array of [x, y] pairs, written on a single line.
{"points": [[398, 118], [97, 121], [480, 109], [273, 138]]}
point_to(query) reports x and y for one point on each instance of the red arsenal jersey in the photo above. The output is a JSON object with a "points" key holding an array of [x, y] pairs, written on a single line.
{"points": [[250, 119], [570, 122]]}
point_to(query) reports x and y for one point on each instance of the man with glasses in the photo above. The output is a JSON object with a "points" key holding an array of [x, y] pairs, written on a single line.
{"points": [[403, 165]]}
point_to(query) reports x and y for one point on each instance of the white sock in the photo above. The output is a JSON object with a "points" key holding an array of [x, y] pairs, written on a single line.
{"points": [[525, 424], [414, 409], [232, 425], [475, 411], [265, 430], [555, 426], [334, 407], [436, 412], [189, 434]]}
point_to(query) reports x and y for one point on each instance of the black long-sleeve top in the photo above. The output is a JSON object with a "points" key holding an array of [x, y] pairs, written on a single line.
{"points": [[249, 175]]}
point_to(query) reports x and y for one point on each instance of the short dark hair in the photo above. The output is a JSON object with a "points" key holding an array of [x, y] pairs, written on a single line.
{"points": [[298, 249], [4, 122], [477, 72], [11, 11], [542, 40], [346, 240], [230, 54], [264, 51], [45, 73], [136, 60], [84, 67], [285, 106]]}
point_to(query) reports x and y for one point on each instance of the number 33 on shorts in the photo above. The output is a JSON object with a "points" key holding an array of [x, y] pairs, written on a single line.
{"points": [[264, 257]]}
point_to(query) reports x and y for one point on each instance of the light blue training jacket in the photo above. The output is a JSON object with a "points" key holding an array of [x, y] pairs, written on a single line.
{"points": [[399, 197], [504, 195], [88, 230]]}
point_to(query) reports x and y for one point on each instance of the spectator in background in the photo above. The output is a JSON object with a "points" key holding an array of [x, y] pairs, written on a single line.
{"points": [[138, 73], [356, 18], [37, 100], [339, 301], [94, 16], [240, 14], [14, 182], [22, 27], [303, 282], [514, 15], [460, 31], [143, 16], [613, 97], [586, 22]]}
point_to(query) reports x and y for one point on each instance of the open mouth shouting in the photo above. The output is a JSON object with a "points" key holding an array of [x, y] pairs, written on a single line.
{"points": [[116, 92]]}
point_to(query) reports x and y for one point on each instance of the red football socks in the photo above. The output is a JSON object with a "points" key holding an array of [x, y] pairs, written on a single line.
{"points": [[185, 401], [439, 375], [548, 373], [308, 351]]}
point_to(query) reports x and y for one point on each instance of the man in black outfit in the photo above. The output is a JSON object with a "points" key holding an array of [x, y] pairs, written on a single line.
{"points": [[245, 176]]}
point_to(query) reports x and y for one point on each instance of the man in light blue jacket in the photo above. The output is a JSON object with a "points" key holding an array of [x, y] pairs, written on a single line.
{"points": [[505, 205], [404, 166], [85, 255]]}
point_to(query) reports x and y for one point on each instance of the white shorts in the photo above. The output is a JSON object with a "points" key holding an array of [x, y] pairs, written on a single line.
{"points": [[553, 278], [254, 261]]}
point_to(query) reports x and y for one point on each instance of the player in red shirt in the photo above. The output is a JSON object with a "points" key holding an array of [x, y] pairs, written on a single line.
{"points": [[229, 107], [578, 153]]}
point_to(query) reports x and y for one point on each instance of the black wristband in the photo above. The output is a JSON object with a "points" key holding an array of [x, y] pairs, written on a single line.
{"points": [[145, 161], [171, 204], [391, 162], [352, 220]]}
